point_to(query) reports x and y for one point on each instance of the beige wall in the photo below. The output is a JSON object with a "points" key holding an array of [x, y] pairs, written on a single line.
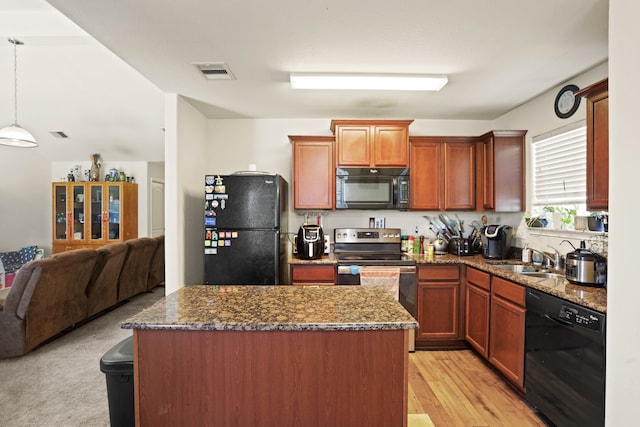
{"points": [[623, 292]]}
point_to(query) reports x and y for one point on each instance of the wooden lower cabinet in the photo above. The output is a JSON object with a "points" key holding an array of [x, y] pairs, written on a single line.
{"points": [[494, 322], [439, 311], [506, 342], [477, 310], [312, 274]]}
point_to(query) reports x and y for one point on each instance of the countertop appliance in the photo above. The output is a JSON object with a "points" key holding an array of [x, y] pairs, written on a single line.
{"points": [[245, 223], [496, 241], [310, 242], [460, 246], [358, 247], [586, 268], [564, 360], [372, 188]]}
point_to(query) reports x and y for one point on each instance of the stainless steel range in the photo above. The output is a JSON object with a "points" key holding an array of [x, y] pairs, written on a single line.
{"points": [[359, 247]]}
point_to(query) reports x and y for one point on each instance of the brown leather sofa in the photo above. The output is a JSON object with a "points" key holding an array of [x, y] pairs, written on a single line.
{"points": [[102, 290], [47, 297], [156, 272], [54, 294], [135, 270]]}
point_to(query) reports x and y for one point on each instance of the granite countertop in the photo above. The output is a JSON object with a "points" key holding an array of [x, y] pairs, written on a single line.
{"points": [[264, 308], [590, 297], [326, 259]]}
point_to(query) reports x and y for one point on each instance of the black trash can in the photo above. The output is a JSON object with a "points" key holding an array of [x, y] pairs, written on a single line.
{"points": [[117, 364]]}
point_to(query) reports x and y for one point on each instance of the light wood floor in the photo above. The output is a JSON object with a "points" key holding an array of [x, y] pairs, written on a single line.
{"points": [[456, 388]]}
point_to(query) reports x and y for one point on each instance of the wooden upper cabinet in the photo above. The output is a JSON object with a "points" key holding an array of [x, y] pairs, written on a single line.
{"points": [[425, 174], [500, 170], [313, 172], [459, 176], [597, 97], [442, 171], [371, 143]]}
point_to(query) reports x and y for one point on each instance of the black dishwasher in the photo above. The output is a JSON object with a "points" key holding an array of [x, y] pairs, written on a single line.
{"points": [[565, 360]]}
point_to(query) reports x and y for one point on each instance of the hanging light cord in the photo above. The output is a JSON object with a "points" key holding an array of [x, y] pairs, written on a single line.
{"points": [[15, 42]]}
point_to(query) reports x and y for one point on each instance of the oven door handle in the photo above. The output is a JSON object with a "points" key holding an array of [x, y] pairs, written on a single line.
{"points": [[404, 269]]}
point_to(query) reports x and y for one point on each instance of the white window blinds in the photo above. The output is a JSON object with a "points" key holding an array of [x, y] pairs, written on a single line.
{"points": [[560, 166]]}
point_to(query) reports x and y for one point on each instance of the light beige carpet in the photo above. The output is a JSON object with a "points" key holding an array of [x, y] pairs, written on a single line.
{"points": [[419, 420]]}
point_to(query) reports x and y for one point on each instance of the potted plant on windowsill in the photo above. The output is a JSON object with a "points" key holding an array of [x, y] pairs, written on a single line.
{"points": [[540, 220]]}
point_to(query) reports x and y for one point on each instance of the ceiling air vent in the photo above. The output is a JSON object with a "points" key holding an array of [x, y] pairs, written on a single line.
{"points": [[215, 70], [58, 134]]}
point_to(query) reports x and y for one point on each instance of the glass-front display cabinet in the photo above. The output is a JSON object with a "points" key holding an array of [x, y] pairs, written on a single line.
{"points": [[92, 214]]}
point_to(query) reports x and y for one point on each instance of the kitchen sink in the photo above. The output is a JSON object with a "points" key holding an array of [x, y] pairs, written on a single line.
{"points": [[516, 268], [542, 274], [529, 271]]}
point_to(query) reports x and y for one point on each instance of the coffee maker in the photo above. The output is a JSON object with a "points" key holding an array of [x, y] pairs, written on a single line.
{"points": [[496, 241]]}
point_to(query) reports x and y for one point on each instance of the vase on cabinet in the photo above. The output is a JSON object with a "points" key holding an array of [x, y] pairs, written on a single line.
{"points": [[94, 174]]}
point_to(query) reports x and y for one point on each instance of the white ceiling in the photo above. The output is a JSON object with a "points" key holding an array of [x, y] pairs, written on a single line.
{"points": [[498, 54]]}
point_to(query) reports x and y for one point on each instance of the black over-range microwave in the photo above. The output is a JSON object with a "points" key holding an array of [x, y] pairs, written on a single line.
{"points": [[372, 188]]}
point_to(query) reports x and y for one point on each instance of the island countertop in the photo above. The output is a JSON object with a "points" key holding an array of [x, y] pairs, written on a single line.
{"points": [[264, 308]]}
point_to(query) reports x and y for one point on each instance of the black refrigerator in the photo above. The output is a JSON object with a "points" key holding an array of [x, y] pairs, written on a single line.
{"points": [[245, 229]]}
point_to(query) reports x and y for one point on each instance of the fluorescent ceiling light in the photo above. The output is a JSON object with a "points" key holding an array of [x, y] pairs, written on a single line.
{"points": [[367, 81]]}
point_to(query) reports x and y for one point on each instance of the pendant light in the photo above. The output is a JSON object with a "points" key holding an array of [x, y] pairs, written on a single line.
{"points": [[14, 135]]}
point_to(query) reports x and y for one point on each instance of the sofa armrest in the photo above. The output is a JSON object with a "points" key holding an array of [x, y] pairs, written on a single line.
{"points": [[19, 290]]}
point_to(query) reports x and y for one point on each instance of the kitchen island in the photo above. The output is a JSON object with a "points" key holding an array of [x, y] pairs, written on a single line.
{"points": [[272, 356]]}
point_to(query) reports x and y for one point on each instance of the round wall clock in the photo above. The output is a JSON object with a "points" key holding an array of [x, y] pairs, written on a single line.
{"points": [[567, 103]]}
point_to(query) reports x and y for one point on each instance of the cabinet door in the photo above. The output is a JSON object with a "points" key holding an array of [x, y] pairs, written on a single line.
{"points": [[313, 173], [78, 209], [313, 274], [97, 212], [477, 319], [425, 173], [459, 176], [438, 305], [114, 211], [391, 146], [485, 156], [438, 315], [61, 213], [477, 310], [597, 97], [506, 352], [500, 171], [353, 145], [598, 153]]}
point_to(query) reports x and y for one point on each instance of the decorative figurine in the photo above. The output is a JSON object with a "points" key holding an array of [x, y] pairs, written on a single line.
{"points": [[94, 175]]}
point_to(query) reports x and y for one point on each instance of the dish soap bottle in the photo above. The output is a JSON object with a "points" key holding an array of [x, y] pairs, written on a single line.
{"points": [[526, 253]]}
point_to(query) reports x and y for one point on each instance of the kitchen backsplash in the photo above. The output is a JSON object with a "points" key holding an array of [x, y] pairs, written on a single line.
{"points": [[407, 222]]}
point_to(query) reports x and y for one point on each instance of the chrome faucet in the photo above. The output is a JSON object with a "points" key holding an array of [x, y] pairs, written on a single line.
{"points": [[555, 262]]}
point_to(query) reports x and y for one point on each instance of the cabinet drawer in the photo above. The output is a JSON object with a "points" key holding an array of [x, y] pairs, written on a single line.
{"points": [[313, 273], [438, 272], [479, 278], [508, 290]]}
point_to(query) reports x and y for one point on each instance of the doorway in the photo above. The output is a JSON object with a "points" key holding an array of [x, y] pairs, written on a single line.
{"points": [[157, 208]]}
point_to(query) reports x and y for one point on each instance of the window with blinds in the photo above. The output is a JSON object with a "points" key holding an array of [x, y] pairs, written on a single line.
{"points": [[560, 167]]}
